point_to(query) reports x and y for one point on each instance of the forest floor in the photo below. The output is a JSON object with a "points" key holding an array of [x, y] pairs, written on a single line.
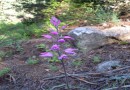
{"points": [[81, 69]]}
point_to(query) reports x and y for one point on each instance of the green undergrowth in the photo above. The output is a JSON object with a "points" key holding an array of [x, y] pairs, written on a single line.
{"points": [[73, 13], [53, 67], [12, 33], [4, 71], [96, 59], [32, 62], [67, 11]]}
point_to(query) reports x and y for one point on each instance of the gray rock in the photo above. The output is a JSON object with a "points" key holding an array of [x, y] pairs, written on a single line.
{"points": [[87, 39], [107, 65], [119, 32]]}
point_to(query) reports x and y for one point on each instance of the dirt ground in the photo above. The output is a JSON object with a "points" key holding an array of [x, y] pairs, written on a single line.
{"points": [[81, 69]]}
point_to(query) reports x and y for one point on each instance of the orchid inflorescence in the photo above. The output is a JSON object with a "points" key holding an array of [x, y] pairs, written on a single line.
{"points": [[58, 46], [60, 40]]}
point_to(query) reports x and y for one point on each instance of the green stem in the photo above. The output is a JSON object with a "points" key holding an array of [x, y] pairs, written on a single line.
{"points": [[66, 77], [59, 53], [58, 35]]}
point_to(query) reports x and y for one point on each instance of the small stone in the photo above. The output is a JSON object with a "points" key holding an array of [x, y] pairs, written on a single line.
{"points": [[107, 65]]}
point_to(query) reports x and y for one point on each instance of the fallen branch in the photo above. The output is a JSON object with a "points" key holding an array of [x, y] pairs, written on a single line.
{"points": [[72, 87], [117, 70], [61, 76], [12, 78], [125, 86], [84, 81], [73, 76], [116, 77], [58, 86], [54, 77]]}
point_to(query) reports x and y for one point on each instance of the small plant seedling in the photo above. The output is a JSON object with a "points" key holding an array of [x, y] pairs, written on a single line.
{"points": [[96, 59], [4, 71], [41, 46], [53, 67], [2, 55], [19, 48], [77, 63], [32, 62], [54, 59], [123, 42], [9, 53]]}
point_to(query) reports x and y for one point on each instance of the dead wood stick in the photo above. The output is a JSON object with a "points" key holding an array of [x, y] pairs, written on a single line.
{"points": [[84, 81], [86, 74], [119, 69], [71, 75], [125, 86], [61, 76], [13, 79], [54, 87], [90, 74], [116, 77], [54, 77]]}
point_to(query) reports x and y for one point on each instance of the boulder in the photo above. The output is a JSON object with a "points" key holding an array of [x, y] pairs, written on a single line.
{"points": [[119, 32], [87, 39], [107, 65]]}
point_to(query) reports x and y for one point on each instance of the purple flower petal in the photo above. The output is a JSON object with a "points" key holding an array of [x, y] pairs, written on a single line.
{"points": [[46, 54], [68, 38], [47, 36], [70, 51], [54, 33], [61, 40], [63, 56], [55, 47], [55, 21], [63, 27]]}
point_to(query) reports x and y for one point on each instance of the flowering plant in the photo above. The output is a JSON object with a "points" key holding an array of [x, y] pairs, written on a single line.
{"points": [[58, 46]]}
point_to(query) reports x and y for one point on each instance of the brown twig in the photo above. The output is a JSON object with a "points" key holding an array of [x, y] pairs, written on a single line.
{"points": [[54, 77], [12, 78], [100, 87], [116, 77], [117, 70], [66, 76], [125, 86], [42, 85], [80, 79], [73, 76], [61, 76], [54, 87]]}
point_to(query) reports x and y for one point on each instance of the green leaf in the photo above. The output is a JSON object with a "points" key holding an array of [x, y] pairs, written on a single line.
{"points": [[32, 62], [4, 71]]}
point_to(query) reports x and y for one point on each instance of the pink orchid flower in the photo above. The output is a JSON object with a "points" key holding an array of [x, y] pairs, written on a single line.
{"points": [[46, 54], [47, 36], [70, 51], [54, 32], [63, 56], [55, 47], [61, 40], [68, 38], [55, 21]]}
